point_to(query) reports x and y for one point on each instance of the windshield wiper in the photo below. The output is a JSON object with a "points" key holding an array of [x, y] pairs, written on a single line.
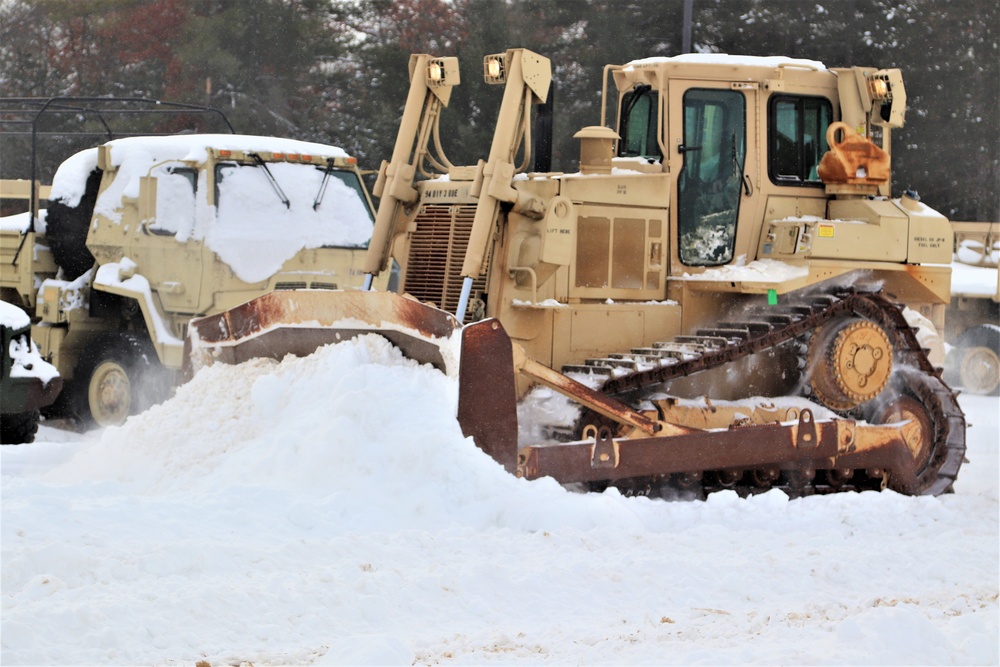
{"points": [[270, 177], [322, 186]]}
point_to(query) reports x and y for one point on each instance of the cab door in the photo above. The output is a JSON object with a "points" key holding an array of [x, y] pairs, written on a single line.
{"points": [[713, 151]]}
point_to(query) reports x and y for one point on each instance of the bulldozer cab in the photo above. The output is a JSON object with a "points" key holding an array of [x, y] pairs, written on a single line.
{"points": [[744, 139]]}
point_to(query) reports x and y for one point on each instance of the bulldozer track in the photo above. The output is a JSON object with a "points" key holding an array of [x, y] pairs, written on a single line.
{"points": [[630, 372]]}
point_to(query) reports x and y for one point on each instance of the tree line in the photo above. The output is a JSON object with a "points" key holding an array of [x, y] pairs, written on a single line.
{"points": [[335, 71]]}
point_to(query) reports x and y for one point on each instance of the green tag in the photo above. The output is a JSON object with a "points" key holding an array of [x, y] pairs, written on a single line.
{"points": [[772, 297]]}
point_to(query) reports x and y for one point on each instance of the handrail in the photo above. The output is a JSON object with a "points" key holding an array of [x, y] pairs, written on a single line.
{"points": [[40, 106], [85, 105]]}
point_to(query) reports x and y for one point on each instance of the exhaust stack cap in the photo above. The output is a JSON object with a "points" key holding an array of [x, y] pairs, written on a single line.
{"points": [[596, 149]]}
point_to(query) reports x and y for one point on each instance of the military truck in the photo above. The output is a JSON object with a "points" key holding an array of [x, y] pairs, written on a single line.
{"points": [[973, 316], [720, 288], [143, 233]]}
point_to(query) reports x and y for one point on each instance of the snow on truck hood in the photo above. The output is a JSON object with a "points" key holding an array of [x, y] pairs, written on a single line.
{"points": [[253, 231]]}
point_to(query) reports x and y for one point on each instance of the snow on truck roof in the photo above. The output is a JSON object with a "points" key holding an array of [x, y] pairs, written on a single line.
{"points": [[250, 226], [71, 178], [727, 59]]}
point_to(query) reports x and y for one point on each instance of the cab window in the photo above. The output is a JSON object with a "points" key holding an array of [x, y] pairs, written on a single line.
{"points": [[638, 127], [797, 138], [175, 201]]}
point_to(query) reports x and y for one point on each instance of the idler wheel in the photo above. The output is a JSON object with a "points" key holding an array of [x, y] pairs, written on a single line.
{"points": [[850, 363]]}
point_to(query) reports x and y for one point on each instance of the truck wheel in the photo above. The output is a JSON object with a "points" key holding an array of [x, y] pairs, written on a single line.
{"points": [[19, 428], [66, 230], [979, 360], [123, 377]]}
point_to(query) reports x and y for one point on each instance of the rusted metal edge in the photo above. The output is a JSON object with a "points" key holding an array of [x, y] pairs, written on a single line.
{"points": [[299, 321]]}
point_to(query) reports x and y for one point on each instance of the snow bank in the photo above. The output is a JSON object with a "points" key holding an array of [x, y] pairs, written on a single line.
{"points": [[974, 253], [327, 510], [283, 434]]}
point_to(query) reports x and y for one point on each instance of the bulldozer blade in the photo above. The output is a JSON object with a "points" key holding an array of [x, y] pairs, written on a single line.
{"points": [[300, 321], [487, 398]]}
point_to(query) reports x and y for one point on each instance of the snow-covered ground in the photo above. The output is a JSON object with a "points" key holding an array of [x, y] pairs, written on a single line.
{"points": [[328, 511]]}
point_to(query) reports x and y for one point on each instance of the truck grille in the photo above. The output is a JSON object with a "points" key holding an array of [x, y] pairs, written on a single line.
{"points": [[437, 250]]}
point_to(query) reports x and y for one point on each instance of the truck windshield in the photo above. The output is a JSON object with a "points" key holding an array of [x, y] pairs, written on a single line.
{"points": [[247, 203]]}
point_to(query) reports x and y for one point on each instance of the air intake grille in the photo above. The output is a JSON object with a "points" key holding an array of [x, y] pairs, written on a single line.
{"points": [[437, 250]]}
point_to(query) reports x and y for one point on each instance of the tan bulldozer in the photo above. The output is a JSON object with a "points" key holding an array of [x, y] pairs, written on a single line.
{"points": [[720, 292]]}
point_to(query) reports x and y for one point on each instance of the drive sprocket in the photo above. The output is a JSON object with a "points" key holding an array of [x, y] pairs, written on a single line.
{"points": [[850, 362]]}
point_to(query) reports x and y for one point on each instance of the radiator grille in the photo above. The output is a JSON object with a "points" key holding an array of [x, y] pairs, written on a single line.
{"points": [[437, 250]]}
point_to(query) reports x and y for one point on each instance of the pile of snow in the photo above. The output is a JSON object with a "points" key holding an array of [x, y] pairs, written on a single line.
{"points": [[328, 510], [251, 229]]}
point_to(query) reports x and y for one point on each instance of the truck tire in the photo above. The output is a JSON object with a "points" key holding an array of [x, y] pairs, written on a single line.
{"points": [[979, 360], [66, 230], [19, 428], [121, 377]]}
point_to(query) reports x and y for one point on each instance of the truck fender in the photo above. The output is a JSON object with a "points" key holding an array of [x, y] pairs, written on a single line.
{"points": [[119, 278]]}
